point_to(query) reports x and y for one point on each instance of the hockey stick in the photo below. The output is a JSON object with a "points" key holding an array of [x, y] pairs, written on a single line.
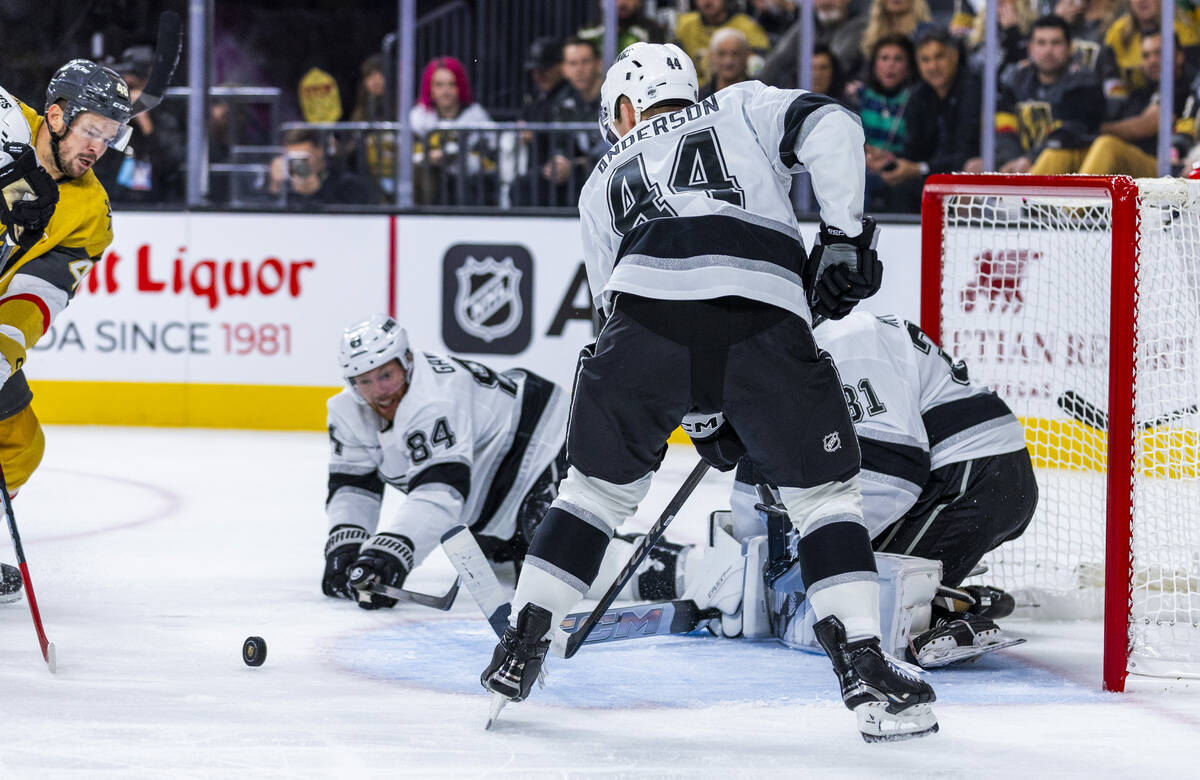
{"points": [[443, 602], [576, 640], [166, 57], [635, 621], [631, 622], [47, 646], [476, 572], [1089, 414]]}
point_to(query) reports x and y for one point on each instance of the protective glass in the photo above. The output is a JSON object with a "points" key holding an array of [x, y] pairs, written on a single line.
{"points": [[100, 128]]}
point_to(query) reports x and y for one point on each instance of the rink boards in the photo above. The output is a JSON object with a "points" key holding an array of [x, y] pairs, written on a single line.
{"points": [[232, 320]]}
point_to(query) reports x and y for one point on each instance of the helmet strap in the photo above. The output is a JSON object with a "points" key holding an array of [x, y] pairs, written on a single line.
{"points": [[54, 139]]}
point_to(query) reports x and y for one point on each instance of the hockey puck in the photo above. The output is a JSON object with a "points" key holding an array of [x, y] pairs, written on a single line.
{"points": [[254, 651]]}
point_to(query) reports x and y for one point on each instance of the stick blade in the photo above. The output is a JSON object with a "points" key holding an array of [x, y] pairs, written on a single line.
{"points": [[51, 657]]}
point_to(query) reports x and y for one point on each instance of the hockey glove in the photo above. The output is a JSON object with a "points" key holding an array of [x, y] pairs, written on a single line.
{"points": [[715, 440], [29, 195], [384, 560], [841, 271], [341, 550]]}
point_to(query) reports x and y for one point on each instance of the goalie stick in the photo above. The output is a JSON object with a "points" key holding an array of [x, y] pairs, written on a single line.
{"points": [[48, 652], [652, 537], [658, 618], [1089, 414], [494, 600], [443, 602]]}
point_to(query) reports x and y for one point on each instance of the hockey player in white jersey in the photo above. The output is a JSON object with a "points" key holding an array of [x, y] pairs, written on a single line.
{"points": [[945, 472], [467, 445], [694, 255]]}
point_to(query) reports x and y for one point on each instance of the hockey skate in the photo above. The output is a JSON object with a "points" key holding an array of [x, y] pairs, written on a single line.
{"points": [[517, 660], [890, 702], [10, 583], [956, 638]]}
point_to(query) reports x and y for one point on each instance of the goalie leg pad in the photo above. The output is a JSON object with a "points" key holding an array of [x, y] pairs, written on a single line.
{"points": [[906, 586], [715, 577]]}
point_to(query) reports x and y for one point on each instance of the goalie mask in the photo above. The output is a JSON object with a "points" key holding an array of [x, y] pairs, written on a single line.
{"points": [[370, 344], [647, 74], [85, 86]]}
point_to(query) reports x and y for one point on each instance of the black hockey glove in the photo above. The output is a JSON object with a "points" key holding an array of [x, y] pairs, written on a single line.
{"points": [[385, 560], [716, 441], [341, 549], [842, 271], [29, 195]]}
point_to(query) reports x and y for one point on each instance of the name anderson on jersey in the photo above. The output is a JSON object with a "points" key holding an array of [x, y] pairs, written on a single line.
{"points": [[662, 123]]}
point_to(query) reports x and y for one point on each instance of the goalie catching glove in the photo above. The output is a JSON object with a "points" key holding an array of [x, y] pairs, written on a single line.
{"points": [[716, 441], [385, 559], [29, 194], [841, 271]]}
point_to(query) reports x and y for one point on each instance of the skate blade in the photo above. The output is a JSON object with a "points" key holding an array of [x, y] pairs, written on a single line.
{"points": [[498, 702], [876, 724], [959, 655], [8, 598]]}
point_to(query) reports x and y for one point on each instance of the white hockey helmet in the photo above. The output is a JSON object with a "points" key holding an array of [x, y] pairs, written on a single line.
{"points": [[366, 345], [646, 73]]}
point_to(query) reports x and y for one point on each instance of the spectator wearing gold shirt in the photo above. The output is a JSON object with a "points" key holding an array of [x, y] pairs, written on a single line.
{"points": [[1121, 57], [695, 29]]}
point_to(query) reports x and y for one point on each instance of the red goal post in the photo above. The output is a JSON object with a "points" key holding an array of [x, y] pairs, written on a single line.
{"points": [[1036, 281]]}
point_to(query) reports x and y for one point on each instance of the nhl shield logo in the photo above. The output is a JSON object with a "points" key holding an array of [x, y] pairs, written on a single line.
{"points": [[832, 442], [487, 298], [488, 303]]}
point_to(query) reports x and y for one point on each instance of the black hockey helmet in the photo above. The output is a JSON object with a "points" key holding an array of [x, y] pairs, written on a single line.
{"points": [[86, 86]]}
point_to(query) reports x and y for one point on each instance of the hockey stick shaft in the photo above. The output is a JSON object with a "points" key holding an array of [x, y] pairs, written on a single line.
{"points": [[442, 602], [652, 537], [166, 58], [47, 646]]}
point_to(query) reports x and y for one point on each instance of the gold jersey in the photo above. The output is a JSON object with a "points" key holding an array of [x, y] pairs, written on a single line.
{"points": [[36, 284]]}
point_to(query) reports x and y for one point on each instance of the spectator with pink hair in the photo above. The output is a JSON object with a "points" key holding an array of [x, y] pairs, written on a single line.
{"points": [[445, 158]]}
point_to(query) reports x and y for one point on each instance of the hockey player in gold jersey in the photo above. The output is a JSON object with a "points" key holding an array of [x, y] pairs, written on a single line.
{"points": [[56, 226]]}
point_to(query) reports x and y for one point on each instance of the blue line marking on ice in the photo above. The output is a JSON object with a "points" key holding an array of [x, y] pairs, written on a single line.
{"points": [[695, 670]]}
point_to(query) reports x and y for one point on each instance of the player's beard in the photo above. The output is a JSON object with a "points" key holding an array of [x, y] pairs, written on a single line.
{"points": [[78, 165], [386, 407]]}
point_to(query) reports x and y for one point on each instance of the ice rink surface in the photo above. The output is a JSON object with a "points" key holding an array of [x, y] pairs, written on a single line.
{"points": [[154, 553]]}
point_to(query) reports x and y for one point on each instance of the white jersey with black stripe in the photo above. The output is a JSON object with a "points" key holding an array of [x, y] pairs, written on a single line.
{"points": [[914, 409], [694, 203], [466, 445]]}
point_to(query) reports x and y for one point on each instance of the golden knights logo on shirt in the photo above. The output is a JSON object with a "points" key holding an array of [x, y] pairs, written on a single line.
{"points": [[1036, 122], [487, 298]]}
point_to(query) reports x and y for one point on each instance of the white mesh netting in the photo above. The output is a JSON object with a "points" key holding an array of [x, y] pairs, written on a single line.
{"points": [[1025, 301]]}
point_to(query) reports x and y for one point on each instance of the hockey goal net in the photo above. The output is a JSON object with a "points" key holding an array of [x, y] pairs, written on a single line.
{"points": [[1077, 298]]}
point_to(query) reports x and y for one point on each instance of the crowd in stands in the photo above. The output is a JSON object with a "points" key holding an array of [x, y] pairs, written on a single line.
{"points": [[1077, 92]]}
